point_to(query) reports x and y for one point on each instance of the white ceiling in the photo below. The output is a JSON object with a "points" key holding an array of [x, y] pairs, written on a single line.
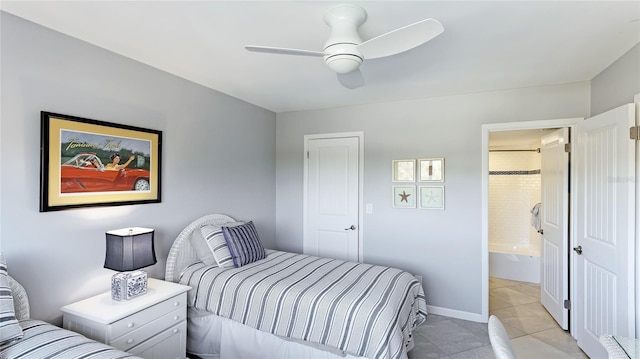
{"points": [[486, 45]]}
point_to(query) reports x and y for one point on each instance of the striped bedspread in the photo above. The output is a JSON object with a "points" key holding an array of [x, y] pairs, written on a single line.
{"points": [[44, 340], [360, 309]]}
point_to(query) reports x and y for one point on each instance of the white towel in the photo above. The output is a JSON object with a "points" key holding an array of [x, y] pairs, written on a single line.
{"points": [[535, 216]]}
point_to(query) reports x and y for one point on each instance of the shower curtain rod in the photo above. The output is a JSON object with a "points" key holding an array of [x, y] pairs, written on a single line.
{"points": [[536, 150]]}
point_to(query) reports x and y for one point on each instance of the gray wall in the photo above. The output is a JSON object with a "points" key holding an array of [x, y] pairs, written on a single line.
{"points": [[442, 246], [218, 156], [617, 84]]}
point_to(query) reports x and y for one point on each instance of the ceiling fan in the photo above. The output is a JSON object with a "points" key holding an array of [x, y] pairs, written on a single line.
{"points": [[345, 51]]}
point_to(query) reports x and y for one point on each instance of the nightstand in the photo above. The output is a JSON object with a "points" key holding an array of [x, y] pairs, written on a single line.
{"points": [[151, 326]]}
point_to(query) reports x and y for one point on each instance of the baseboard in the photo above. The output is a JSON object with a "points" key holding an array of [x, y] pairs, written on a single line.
{"points": [[452, 313]]}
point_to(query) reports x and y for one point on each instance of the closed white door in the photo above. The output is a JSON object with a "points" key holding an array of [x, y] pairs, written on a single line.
{"points": [[554, 279], [332, 206], [604, 246]]}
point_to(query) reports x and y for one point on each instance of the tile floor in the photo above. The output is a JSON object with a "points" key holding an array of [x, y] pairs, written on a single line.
{"points": [[533, 332]]}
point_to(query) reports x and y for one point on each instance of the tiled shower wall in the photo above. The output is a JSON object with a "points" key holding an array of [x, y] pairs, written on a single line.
{"points": [[514, 188]]}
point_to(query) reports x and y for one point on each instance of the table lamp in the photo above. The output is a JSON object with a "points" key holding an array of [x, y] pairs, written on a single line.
{"points": [[128, 250]]}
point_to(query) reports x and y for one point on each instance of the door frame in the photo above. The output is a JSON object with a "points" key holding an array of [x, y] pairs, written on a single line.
{"points": [[510, 126], [636, 273], [305, 191]]}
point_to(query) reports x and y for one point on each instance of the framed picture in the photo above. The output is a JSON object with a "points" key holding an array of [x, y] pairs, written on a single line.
{"points": [[431, 197], [85, 163], [404, 170], [404, 196], [431, 169]]}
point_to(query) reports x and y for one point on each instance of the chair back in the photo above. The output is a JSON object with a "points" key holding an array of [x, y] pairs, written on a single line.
{"points": [[500, 342]]}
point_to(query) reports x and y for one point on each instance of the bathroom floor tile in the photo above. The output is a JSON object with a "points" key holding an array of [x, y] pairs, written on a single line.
{"points": [[528, 347], [528, 289], [562, 340], [500, 283], [496, 303], [513, 297], [526, 320]]}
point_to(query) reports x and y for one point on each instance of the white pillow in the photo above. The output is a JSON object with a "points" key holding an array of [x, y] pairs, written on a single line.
{"points": [[200, 245], [218, 246]]}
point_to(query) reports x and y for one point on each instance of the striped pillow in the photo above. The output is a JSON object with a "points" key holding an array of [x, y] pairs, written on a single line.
{"points": [[244, 244], [201, 246], [217, 245], [10, 329]]}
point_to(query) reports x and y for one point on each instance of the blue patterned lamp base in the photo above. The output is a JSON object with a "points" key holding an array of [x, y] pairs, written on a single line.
{"points": [[128, 285]]}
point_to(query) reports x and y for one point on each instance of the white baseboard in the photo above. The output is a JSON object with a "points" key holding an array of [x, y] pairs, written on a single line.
{"points": [[452, 313]]}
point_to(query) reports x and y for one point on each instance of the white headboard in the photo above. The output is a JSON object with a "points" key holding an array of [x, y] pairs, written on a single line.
{"points": [[182, 253]]}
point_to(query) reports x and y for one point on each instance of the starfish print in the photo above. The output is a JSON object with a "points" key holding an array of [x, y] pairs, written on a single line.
{"points": [[405, 197], [431, 197]]}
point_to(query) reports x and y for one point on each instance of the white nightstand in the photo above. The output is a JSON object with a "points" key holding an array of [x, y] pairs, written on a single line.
{"points": [[151, 326]]}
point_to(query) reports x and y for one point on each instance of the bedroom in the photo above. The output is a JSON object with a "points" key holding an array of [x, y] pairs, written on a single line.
{"points": [[45, 70]]}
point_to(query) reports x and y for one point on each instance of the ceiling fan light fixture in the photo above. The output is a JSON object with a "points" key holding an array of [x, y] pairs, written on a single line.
{"points": [[343, 63], [344, 50]]}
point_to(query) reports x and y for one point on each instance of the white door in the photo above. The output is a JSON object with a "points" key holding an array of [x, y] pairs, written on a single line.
{"points": [[554, 279], [332, 205], [604, 242]]}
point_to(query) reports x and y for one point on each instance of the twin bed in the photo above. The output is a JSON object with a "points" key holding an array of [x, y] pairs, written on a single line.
{"points": [[286, 305], [25, 338]]}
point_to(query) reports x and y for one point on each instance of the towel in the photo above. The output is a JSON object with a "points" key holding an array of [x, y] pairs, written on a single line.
{"points": [[535, 216]]}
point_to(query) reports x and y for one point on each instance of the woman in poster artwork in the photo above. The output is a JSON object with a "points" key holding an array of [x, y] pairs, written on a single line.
{"points": [[115, 162]]}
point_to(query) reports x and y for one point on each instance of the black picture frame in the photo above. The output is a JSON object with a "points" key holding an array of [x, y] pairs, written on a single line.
{"points": [[89, 163]]}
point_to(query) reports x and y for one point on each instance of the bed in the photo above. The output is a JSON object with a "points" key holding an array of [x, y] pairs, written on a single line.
{"points": [[32, 338], [288, 305]]}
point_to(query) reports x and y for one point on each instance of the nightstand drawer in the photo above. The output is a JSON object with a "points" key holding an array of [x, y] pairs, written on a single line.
{"points": [[149, 330], [140, 319], [170, 344]]}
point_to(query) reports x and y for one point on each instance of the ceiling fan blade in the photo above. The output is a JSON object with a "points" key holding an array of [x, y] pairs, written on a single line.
{"points": [[283, 51], [351, 80], [400, 40]]}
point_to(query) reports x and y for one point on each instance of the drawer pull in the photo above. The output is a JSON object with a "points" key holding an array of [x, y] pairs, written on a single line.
{"points": [[130, 325], [175, 304], [175, 330], [129, 341], [175, 317]]}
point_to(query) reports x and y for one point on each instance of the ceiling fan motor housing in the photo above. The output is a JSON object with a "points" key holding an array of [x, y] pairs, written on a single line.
{"points": [[341, 52]]}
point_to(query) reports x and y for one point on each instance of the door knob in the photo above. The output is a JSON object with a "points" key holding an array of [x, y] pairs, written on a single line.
{"points": [[578, 249], [352, 228], [541, 231]]}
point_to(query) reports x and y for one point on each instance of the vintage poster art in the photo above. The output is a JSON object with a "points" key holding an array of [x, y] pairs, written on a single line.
{"points": [[95, 163]]}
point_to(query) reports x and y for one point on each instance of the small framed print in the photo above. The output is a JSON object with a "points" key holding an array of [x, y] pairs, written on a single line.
{"points": [[431, 169], [431, 197], [404, 170], [404, 196]]}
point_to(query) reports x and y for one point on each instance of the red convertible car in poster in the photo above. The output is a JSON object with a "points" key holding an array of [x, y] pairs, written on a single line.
{"points": [[86, 173]]}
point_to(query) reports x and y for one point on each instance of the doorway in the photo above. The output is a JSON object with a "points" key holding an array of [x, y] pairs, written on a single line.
{"points": [[514, 193], [529, 215], [486, 131]]}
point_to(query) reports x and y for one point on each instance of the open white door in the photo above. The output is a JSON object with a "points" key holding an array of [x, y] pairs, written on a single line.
{"points": [[554, 281], [604, 239], [332, 205]]}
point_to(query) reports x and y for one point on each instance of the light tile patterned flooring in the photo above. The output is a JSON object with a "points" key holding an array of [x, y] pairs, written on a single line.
{"points": [[533, 332]]}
